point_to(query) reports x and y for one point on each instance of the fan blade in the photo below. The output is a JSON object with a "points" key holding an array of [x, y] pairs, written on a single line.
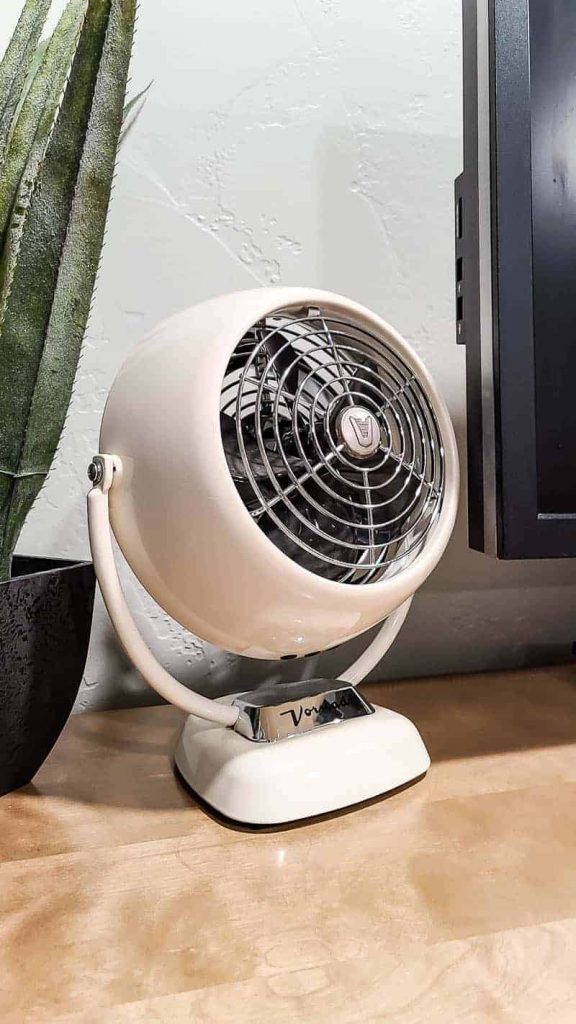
{"points": [[284, 361], [254, 457], [294, 365]]}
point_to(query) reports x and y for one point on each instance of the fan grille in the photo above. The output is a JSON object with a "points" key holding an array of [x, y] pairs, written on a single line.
{"points": [[332, 444]]}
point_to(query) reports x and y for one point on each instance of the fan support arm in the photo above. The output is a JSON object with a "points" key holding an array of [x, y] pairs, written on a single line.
{"points": [[103, 471], [106, 469]]}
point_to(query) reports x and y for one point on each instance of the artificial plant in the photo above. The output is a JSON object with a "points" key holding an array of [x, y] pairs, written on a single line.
{"points": [[61, 116]]}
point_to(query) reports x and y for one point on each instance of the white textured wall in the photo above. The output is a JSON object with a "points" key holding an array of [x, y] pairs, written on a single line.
{"points": [[304, 142]]}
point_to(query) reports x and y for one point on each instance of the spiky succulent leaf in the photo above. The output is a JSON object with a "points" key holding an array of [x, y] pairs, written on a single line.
{"points": [[48, 304], [128, 121], [34, 121], [129, 107], [17, 61]]}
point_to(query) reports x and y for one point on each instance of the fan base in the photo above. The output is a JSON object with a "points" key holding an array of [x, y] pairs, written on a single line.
{"points": [[303, 776]]}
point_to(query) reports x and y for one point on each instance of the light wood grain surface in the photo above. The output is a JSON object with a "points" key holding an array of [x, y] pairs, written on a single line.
{"points": [[453, 902]]}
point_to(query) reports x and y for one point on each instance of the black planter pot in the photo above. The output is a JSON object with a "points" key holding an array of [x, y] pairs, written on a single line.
{"points": [[45, 620]]}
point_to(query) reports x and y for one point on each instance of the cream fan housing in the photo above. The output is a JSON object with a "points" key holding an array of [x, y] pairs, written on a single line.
{"points": [[178, 515]]}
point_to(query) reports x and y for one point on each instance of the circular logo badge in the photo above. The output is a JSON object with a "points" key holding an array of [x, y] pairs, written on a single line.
{"points": [[359, 431]]}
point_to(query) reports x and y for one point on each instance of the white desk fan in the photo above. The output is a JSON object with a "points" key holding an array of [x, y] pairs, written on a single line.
{"points": [[281, 474]]}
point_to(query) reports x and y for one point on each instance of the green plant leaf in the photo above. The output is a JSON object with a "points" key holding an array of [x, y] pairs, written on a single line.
{"points": [[127, 121], [49, 301], [35, 64], [135, 99], [34, 122], [17, 61]]}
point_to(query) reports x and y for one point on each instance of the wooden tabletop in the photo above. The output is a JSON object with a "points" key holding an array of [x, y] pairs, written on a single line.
{"points": [[453, 901]]}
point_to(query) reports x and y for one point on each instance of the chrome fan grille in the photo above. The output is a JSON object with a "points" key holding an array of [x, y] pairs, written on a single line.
{"points": [[350, 501]]}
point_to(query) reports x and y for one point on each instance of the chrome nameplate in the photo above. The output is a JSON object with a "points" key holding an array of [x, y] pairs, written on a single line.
{"points": [[273, 713]]}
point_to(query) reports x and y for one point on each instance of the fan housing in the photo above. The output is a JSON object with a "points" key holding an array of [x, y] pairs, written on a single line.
{"points": [[289, 470]]}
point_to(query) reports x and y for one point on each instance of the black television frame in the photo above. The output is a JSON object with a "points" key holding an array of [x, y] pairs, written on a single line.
{"points": [[499, 302]]}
